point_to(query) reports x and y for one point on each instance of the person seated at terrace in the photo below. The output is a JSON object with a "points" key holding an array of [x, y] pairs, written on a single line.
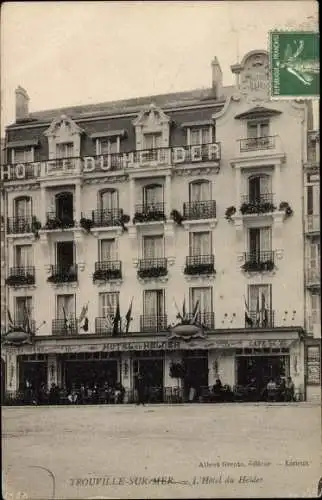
{"points": [[271, 390]]}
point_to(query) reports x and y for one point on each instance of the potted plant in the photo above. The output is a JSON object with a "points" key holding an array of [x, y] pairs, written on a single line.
{"points": [[35, 226], [230, 211], [285, 206], [86, 224], [125, 219], [177, 217], [154, 272]]}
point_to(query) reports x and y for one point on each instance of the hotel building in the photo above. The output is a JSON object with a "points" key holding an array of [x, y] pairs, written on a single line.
{"points": [[186, 204]]}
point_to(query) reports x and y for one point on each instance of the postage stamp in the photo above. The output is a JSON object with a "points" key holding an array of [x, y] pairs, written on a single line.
{"points": [[294, 64]]}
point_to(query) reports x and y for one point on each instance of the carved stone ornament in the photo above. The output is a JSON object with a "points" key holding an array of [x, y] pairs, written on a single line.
{"points": [[63, 127]]}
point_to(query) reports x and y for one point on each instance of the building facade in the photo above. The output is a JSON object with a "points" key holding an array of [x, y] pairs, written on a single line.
{"points": [[182, 215]]}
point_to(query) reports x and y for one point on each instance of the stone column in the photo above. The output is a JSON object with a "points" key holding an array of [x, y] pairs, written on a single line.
{"points": [[132, 199], [52, 370], [43, 206], [78, 208], [277, 185], [238, 186], [167, 197], [12, 367], [126, 370]]}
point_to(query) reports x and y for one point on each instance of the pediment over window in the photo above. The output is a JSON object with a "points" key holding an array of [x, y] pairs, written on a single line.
{"points": [[63, 128], [258, 112], [151, 118]]}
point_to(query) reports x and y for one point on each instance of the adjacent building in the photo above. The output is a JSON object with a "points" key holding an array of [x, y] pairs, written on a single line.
{"points": [[151, 233]]}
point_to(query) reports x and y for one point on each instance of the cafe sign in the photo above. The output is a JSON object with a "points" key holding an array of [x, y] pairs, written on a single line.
{"points": [[166, 345]]}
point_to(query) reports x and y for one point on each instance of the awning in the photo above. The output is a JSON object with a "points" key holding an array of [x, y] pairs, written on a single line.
{"points": [[258, 112], [22, 144], [108, 133], [200, 123]]}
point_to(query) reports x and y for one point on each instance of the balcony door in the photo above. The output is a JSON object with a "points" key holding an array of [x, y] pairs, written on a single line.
{"points": [[256, 130], [314, 255], [259, 303], [65, 255], [64, 206], [22, 208], [153, 247], [313, 199], [199, 191], [65, 150], [65, 306], [260, 243], [23, 309], [153, 196], [153, 304], [108, 200], [258, 188], [200, 136], [107, 250], [200, 244], [107, 305], [202, 296], [23, 256]]}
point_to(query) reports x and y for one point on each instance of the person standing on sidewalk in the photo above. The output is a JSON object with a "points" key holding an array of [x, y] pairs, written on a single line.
{"points": [[140, 387]]}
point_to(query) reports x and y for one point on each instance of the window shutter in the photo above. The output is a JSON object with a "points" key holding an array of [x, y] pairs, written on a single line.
{"points": [[108, 250], [152, 195], [205, 244], [205, 136], [253, 295], [265, 239], [150, 303]]}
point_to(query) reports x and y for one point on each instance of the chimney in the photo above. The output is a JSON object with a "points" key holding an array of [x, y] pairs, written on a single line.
{"points": [[216, 78], [22, 104]]}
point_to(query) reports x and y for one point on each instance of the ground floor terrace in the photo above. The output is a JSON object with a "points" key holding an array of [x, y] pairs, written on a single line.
{"points": [[171, 370], [162, 451]]}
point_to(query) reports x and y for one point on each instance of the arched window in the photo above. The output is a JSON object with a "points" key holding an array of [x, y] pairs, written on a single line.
{"points": [[22, 207], [64, 206], [259, 188], [199, 190], [152, 195], [108, 199]]}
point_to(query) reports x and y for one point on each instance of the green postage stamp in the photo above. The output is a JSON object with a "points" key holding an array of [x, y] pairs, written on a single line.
{"points": [[294, 64]]}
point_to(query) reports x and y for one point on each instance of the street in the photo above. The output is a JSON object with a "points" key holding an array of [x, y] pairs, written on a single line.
{"points": [[158, 451]]}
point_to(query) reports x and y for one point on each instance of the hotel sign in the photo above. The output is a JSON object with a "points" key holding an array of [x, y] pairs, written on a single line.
{"points": [[111, 162], [167, 345]]}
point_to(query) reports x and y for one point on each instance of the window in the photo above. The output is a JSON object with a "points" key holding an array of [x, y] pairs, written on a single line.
{"points": [[107, 250], [152, 195], [22, 155], [313, 199], [23, 309], [260, 240], [64, 203], [65, 306], [197, 136], [153, 247], [153, 303], [108, 146], [259, 298], [257, 129], [22, 207], [107, 304], [200, 244], [258, 188], [314, 255], [65, 255], [65, 150], [315, 309], [152, 141], [108, 199], [202, 295], [199, 191], [23, 256]]}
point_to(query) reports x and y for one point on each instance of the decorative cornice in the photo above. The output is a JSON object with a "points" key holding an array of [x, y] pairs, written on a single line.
{"points": [[102, 283], [21, 186], [198, 170], [208, 223], [200, 277], [111, 230], [160, 279], [105, 179]]}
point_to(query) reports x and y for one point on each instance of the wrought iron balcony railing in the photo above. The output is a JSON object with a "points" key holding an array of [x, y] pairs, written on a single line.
{"points": [[259, 261], [53, 221], [257, 143], [152, 268], [313, 223], [313, 277], [21, 325], [104, 326], [21, 276], [195, 210], [108, 270], [19, 225], [64, 327], [104, 217], [63, 274], [260, 319], [200, 264], [149, 212], [259, 204], [153, 324], [205, 319]]}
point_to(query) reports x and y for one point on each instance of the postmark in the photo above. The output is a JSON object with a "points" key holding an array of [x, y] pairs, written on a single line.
{"points": [[294, 64]]}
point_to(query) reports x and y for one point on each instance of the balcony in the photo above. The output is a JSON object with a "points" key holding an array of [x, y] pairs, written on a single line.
{"points": [[260, 319], [20, 276], [200, 264], [19, 225], [313, 277], [152, 212], [261, 204], [257, 144], [21, 326], [258, 151], [177, 157], [313, 149], [259, 261], [197, 210], [63, 274], [54, 222], [153, 324], [107, 270], [152, 268], [64, 328], [205, 319], [103, 218], [103, 326], [312, 224]]}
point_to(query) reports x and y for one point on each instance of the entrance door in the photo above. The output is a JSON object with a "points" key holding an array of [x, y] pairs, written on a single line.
{"points": [[33, 372], [196, 376], [152, 371]]}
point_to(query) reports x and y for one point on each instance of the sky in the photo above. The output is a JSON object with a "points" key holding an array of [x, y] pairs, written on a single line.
{"points": [[71, 53]]}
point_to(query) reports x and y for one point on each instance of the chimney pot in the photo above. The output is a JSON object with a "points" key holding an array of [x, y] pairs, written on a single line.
{"points": [[216, 78], [22, 104]]}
